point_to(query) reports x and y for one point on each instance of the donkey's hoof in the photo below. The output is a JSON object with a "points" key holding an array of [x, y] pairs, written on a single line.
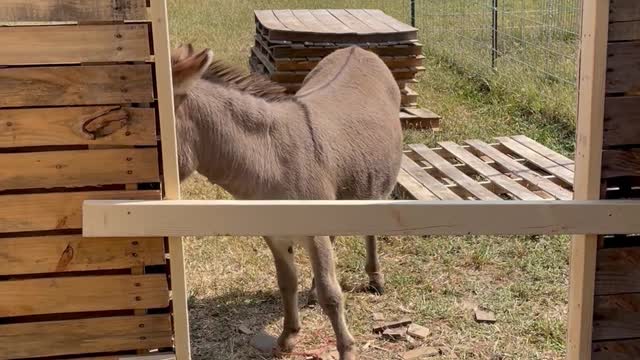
{"points": [[312, 299], [287, 342], [349, 355], [375, 288]]}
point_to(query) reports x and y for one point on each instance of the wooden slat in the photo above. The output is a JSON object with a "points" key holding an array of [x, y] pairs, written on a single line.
{"points": [[52, 169], [545, 151], [453, 173], [310, 21], [269, 20], [521, 170], [624, 10], [623, 74], [70, 126], [374, 23], [414, 187], [624, 31], [154, 356], [56, 211], [618, 163], [549, 166], [622, 121], [36, 255], [290, 21], [72, 10], [618, 271], [616, 317], [334, 25], [498, 178], [75, 85], [616, 350], [351, 21], [111, 334], [432, 184], [390, 21], [83, 294], [28, 45]]}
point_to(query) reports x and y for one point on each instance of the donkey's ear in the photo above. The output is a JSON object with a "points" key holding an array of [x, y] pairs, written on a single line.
{"points": [[189, 70], [181, 53]]}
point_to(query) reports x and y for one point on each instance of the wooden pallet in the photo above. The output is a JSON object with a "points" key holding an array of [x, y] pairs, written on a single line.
{"points": [[515, 167], [79, 125], [334, 25]]}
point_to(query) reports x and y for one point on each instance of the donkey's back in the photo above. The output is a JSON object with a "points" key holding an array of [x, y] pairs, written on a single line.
{"points": [[354, 100]]}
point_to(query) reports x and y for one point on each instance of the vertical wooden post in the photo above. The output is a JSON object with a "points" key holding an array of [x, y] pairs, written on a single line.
{"points": [[593, 64], [170, 172]]}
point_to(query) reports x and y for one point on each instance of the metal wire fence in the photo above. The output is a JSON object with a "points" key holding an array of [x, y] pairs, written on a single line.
{"points": [[530, 36]]}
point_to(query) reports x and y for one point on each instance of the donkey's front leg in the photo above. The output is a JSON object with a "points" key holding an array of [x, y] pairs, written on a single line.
{"points": [[376, 278], [313, 294], [329, 293], [282, 249]]}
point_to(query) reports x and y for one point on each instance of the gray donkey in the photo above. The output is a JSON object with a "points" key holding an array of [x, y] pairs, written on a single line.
{"points": [[338, 138]]}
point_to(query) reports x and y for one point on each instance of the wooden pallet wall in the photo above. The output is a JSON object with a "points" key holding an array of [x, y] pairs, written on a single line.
{"points": [[78, 120], [616, 319]]}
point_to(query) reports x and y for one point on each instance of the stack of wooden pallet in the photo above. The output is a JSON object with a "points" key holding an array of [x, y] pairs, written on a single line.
{"points": [[290, 43]]}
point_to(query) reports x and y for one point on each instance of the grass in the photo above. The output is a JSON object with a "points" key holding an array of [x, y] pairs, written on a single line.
{"points": [[437, 281]]}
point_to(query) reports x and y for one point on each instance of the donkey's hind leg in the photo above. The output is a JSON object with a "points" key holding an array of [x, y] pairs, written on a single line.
{"points": [[329, 293], [282, 249], [376, 278], [312, 298]]}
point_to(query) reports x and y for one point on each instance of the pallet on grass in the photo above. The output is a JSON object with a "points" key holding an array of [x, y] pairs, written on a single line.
{"points": [[514, 168]]}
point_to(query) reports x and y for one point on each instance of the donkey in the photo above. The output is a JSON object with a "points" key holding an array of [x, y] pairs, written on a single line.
{"points": [[339, 137]]}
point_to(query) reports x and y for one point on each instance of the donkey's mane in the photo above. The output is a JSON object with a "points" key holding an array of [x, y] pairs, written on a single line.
{"points": [[220, 72]]}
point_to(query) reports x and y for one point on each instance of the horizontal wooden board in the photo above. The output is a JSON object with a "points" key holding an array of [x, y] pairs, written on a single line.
{"points": [[624, 10], [48, 254], [72, 10], [622, 121], [618, 271], [619, 163], [84, 336], [83, 294], [87, 125], [616, 317], [51, 169], [26, 45], [616, 350], [623, 72], [153, 356], [624, 31], [76, 85], [350, 217], [57, 211]]}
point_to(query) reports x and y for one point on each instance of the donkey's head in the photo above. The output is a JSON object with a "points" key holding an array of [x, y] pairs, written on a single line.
{"points": [[187, 67]]}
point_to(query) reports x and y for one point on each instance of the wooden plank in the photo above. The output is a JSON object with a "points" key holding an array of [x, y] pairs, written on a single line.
{"points": [[549, 166], [498, 178], [55, 211], [154, 356], [311, 22], [423, 113], [624, 31], [453, 173], [268, 19], [545, 151], [432, 184], [110, 334], [290, 21], [624, 10], [171, 179], [521, 170], [390, 21], [74, 44], [619, 163], [47, 254], [352, 217], [589, 133], [378, 26], [351, 21], [50, 169], [334, 25], [623, 74], [616, 317], [72, 10], [99, 125], [76, 85], [622, 121], [414, 187], [83, 294], [616, 350], [618, 271]]}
